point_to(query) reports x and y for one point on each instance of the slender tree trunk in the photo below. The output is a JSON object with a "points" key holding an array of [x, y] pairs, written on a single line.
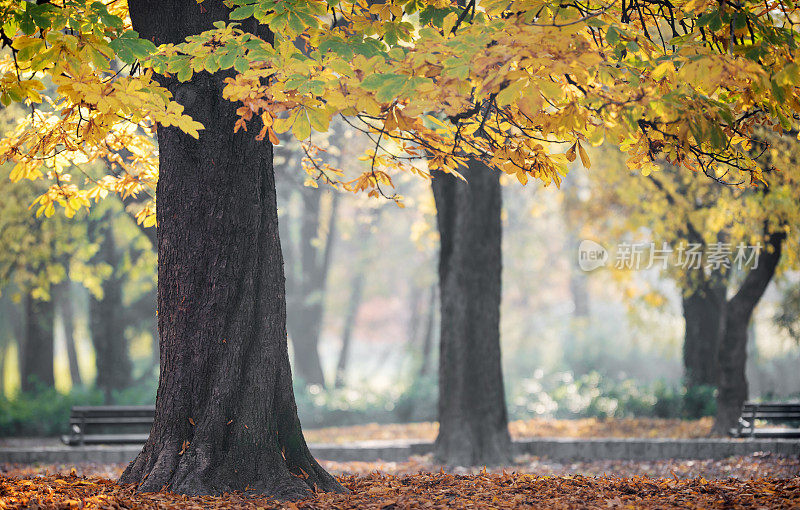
{"points": [[427, 337], [37, 348], [225, 418], [414, 313], [578, 279], [107, 320], [349, 325], [67, 314], [305, 318], [9, 316], [3, 351], [473, 421], [732, 388], [704, 310]]}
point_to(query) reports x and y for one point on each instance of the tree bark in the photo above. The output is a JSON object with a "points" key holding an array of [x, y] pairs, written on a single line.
{"points": [[473, 421], [107, 319], [704, 310], [225, 418], [37, 349], [732, 383], [67, 314]]}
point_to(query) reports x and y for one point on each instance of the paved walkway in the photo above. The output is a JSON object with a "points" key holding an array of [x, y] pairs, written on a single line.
{"points": [[28, 451]]}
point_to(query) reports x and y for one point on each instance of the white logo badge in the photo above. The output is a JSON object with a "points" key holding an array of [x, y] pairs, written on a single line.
{"points": [[591, 255]]}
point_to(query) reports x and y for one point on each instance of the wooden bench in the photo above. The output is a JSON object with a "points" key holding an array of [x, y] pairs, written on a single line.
{"points": [[773, 412], [109, 424]]}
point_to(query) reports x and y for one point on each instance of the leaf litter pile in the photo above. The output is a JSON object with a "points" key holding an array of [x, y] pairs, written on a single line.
{"points": [[759, 481]]}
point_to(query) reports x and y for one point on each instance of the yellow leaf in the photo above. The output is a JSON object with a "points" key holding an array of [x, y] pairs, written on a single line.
{"points": [[584, 156], [571, 152], [449, 22]]}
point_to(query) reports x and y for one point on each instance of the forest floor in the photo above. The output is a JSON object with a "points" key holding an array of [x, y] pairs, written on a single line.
{"points": [[764, 481], [740, 467], [753, 481], [521, 429]]}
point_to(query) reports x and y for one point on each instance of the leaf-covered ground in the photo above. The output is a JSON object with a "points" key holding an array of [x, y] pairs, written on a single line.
{"points": [[766, 481], [538, 427], [741, 467], [427, 490]]}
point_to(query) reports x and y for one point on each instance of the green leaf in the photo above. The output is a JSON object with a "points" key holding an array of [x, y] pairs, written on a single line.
{"points": [[212, 63], [27, 25], [226, 60], [612, 36], [30, 51], [296, 24], [374, 82], [241, 64], [243, 12], [434, 16], [129, 47], [185, 73]]}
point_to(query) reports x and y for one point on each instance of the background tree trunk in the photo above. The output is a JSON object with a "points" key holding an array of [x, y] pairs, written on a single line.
{"points": [[37, 349], [306, 313], [225, 416], [9, 333], [733, 389], [704, 315], [427, 335], [473, 421], [63, 294], [571, 205], [107, 319], [349, 325], [4, 342]]}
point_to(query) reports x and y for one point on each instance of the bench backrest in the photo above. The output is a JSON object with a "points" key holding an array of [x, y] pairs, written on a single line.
{"points": [[91, 419], [772, 411]]}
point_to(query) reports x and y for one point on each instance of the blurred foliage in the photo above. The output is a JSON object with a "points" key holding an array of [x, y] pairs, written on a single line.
{"points": [[45, 412], [42, 413], [561, 395]]}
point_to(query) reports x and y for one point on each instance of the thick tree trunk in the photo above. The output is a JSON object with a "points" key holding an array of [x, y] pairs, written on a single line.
{"points": [[226, 418], [67, 314], [732, 382], [349, 325], [37, 348], [107, 320], [473, 421], [704, 315]]}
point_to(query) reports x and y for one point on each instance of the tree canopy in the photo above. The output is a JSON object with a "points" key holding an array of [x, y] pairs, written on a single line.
{"points": [[686, 81]]}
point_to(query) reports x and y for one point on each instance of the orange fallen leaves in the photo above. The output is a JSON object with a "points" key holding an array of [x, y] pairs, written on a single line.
{"points": [[426, 490]]}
